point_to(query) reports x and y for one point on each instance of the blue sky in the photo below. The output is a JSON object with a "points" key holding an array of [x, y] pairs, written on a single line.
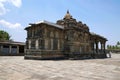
{"points": [[102, 16]]}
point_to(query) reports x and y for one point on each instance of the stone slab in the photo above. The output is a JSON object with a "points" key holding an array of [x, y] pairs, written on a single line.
{"points": [[16, 68]]}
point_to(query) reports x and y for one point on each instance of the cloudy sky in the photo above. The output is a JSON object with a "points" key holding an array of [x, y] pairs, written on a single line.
{"points": [[102, 16]]}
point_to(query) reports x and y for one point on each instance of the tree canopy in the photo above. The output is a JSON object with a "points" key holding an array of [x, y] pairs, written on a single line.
{"points": [[118, 43], [4, 35], [114, 47]]}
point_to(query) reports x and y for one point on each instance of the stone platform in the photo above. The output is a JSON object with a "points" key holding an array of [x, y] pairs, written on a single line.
{"points": [[16, 68]]}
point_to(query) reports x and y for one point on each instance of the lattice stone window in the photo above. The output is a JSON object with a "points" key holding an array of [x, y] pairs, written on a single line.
{"points": [[56, 35], [51, 34], [33, 44], [41, 44], [55, 44]]}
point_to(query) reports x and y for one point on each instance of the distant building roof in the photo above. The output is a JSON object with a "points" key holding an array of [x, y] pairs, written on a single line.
{"points": [[12, 42]]}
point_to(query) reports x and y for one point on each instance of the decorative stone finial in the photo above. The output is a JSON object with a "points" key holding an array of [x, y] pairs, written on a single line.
{"points": [[67, 16], [67, 11]]}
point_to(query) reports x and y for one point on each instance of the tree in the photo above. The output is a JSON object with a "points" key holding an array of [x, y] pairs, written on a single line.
{"points": [[4, 35], [118, 43], [108, 47], [116, 47], [113, 47]]}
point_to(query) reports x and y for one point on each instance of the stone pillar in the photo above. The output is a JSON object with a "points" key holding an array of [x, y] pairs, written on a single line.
{"points": [[51, 44], [10, 49], [104, 47], [58, 44], [24, 49], [80, 49], [33, 32], [101, 47], [36, 44], [92, 45], [17, 49], [46, 43], [96, 46], [29, 44], [62, 44], [1, 48]]}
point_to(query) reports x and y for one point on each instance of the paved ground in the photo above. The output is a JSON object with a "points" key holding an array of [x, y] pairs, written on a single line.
{"points": [[16, 68]]}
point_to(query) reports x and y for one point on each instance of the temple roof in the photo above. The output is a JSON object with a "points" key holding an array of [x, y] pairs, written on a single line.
{"points": [[46, 22], [94, 34]]}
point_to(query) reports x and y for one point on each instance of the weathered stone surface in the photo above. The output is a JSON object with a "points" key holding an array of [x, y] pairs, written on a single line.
{"points": [[67, 36], [16, 68]]}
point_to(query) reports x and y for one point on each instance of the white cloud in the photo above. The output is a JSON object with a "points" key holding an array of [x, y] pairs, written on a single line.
{"points": [[10, 25], [2, 9], [16, 3]]}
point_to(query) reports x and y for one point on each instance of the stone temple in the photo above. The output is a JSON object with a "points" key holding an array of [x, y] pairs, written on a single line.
{"points": [[67, 38]]}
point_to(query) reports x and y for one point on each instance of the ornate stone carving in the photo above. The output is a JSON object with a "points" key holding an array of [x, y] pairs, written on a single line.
{"points": [[66, 37]]}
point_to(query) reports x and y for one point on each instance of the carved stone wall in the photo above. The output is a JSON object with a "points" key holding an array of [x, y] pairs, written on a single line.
{"points": [[66, 37]]}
